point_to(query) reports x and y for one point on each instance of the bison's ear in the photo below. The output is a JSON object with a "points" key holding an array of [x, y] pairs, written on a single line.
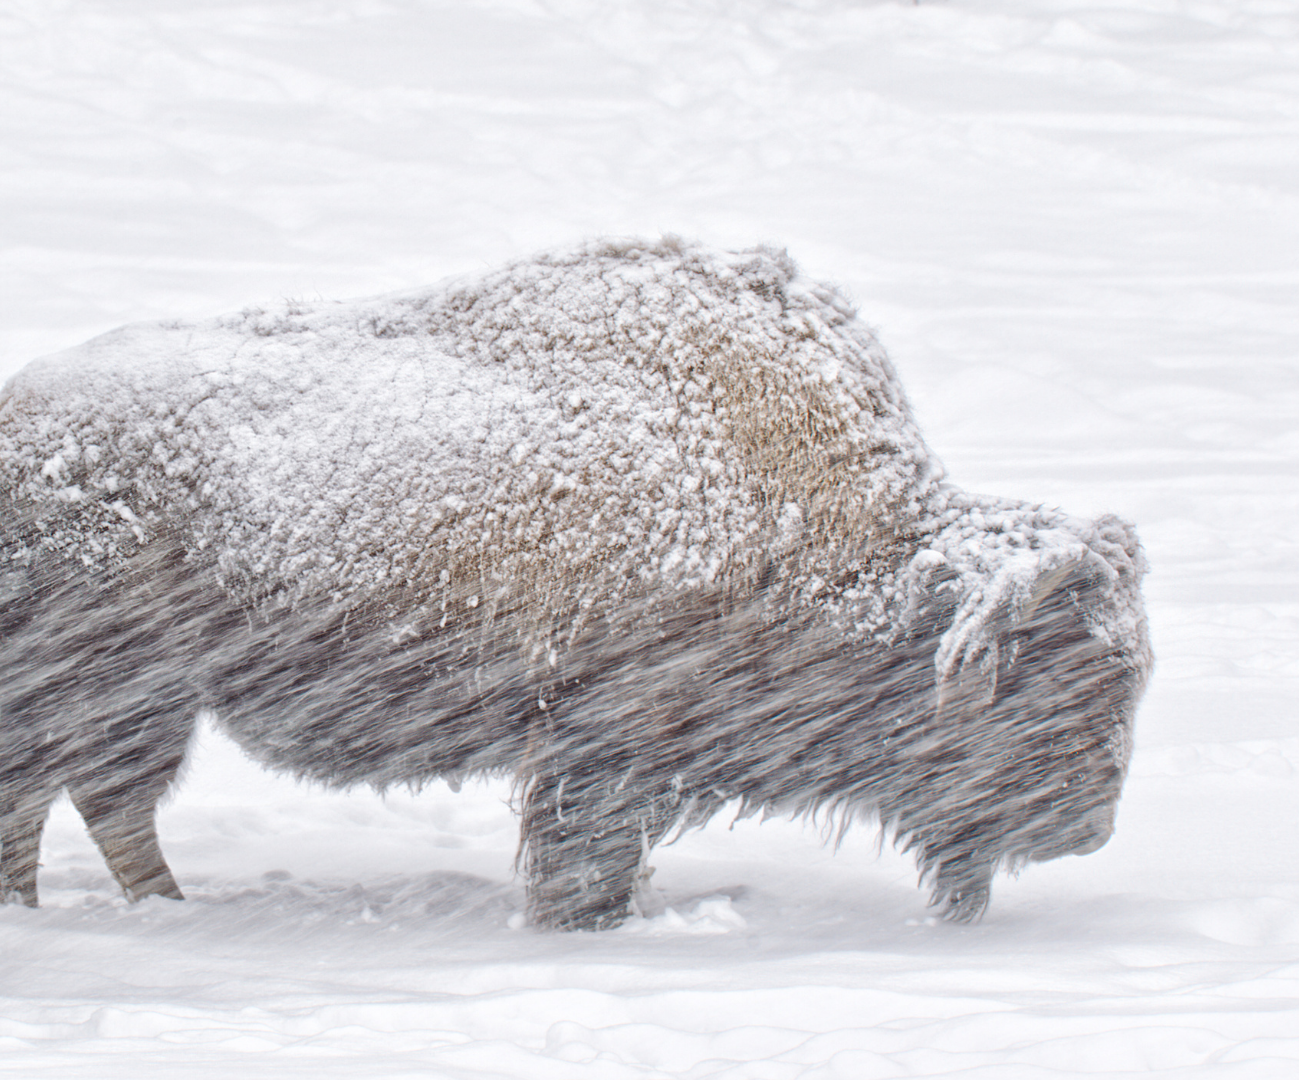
{"points": [[937, 611], [933, 597], [994, 621]]}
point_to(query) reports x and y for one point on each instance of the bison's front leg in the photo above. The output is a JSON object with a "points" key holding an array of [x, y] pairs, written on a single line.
{"points": [[121, 821], [584, 833], [22, 821]]}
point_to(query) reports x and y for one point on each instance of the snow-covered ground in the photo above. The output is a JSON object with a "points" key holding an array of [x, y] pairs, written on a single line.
{"points": [[1075, 224]]}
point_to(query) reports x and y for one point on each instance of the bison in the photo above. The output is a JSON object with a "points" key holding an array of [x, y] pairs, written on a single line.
{"points": [[648, 526]]}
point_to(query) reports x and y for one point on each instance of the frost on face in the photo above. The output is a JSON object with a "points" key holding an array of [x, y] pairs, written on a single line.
{"points": [[647, 525]]}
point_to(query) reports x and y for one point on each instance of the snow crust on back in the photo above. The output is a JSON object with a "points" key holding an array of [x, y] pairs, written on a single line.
{"points": [[613, 414], [618, 418]]}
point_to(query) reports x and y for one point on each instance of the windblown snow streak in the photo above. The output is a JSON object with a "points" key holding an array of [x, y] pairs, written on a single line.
{"points": [[647, 525]]}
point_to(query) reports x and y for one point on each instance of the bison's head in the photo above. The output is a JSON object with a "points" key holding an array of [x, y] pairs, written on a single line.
{"points": [[1033, 728], [1066, 699]]}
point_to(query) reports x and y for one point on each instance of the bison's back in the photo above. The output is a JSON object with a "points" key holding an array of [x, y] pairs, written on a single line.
{"points": [[542, 437]]}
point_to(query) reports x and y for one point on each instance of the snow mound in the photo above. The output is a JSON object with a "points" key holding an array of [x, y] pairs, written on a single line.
{"points": [[711, 915]]}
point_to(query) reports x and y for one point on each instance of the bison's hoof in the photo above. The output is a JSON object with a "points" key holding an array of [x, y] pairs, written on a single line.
{"points": [[160, 885], [26, 897], [599, 915], [580, 920]]}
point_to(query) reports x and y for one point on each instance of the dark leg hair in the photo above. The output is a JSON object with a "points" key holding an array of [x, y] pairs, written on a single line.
{"points": [[583, 838], [121, 822], [22, 820]]}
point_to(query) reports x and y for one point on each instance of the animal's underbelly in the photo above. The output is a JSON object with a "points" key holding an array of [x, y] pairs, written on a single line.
{"points": [[322, 698]]}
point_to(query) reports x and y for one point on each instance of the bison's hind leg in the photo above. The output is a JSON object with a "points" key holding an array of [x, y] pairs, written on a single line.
{"points": [[121, 821], [22, 822]]}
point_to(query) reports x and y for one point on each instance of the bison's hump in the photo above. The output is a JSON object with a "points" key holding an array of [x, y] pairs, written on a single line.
{"points": [[617, 413]]}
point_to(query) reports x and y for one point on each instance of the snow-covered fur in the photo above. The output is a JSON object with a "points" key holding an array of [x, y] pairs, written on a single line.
{"points": [[649, 525]]}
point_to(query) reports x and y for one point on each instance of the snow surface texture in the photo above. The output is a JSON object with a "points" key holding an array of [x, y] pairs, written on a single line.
{"points": [[1076, 225]]}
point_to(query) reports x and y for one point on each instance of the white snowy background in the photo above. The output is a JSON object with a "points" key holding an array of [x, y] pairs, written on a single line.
{"points": [[1075, 224]]}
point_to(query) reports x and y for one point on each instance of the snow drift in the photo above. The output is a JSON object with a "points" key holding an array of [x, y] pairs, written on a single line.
{"points": [[649, 526]]}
